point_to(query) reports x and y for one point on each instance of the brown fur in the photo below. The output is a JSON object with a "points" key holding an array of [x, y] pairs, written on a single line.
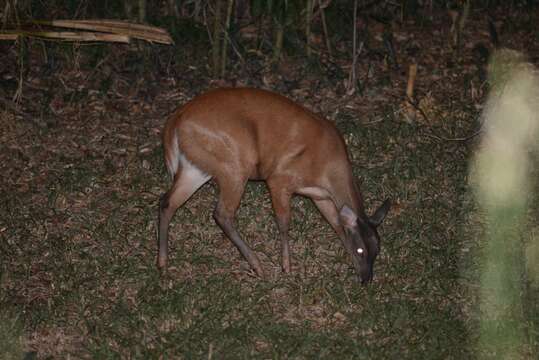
{"points": [[234, 135]]}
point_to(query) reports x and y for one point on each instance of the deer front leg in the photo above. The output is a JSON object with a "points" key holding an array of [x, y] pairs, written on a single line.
{"points": [[229, 200]]}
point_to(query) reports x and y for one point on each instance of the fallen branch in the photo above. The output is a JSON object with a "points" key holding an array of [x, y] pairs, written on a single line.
{"points": [[98, 30], [8, 36], [137, 31], [431, 134], [77, 36]]}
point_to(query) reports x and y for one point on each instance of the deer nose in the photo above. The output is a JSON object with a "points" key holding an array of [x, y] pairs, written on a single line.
{"points": [[366, 278]]}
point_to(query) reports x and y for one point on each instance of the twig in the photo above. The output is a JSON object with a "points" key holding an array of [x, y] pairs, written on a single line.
{"points": [[388, 42], [6, 12], [410, 101], [225, 37], [438, 137], [352, 75], [308, 19], [463, 139], [234, 47], [216, 44], [18, 94], [10, 105], [325, 28]]}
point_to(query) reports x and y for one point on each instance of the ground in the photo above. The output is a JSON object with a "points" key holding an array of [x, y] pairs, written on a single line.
{"points": [[82, 171]]}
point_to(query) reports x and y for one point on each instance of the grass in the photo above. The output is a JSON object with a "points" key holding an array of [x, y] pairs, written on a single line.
{"points": [[78, 238], [79, 249], [10, 336]]}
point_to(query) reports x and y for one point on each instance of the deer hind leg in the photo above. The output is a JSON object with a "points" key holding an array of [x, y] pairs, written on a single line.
{"points": [[186, 181], [280, 198], [230, 192]]}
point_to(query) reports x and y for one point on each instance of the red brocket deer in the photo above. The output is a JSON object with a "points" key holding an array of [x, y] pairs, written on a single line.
{"points": [[240, 134]]}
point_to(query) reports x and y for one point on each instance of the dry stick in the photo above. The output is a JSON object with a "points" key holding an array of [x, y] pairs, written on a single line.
{"points": [[104, 25], [235, 48], [96, 67], [442, 138], [324, 26], [308, 20], [278, 45], [199, 6], [225, 37], [462, 22], [142, 11], [17, 97], [8, 36], [322, 6], [412, 72], [411, 81], [216, 46], [352, 74], [78, 36], [67, 36], [173, 9], [388, 42], [6, 12], [148, 33], [7, 8], [128, 10], [13, 107], [81, 10], [438, 137], [211, 36]]}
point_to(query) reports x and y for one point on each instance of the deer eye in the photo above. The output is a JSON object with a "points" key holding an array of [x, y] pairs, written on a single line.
{"points": [[360, 251]]}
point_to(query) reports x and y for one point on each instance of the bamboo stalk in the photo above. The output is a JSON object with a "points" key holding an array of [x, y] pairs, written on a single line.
{"points": [[351, 88], [216, 45], [142, 11], [278, 45], [409, 108], [325, 28], [308, 20], [411, 81], [5, 16], [225, 37], [128, 10]]}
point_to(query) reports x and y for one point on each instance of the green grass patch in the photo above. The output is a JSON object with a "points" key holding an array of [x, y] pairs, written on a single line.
{"points": [[78, 248]]}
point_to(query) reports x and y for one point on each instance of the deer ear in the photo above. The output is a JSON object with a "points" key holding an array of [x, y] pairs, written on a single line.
{"points": [[348, 217], [379, 215]]}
